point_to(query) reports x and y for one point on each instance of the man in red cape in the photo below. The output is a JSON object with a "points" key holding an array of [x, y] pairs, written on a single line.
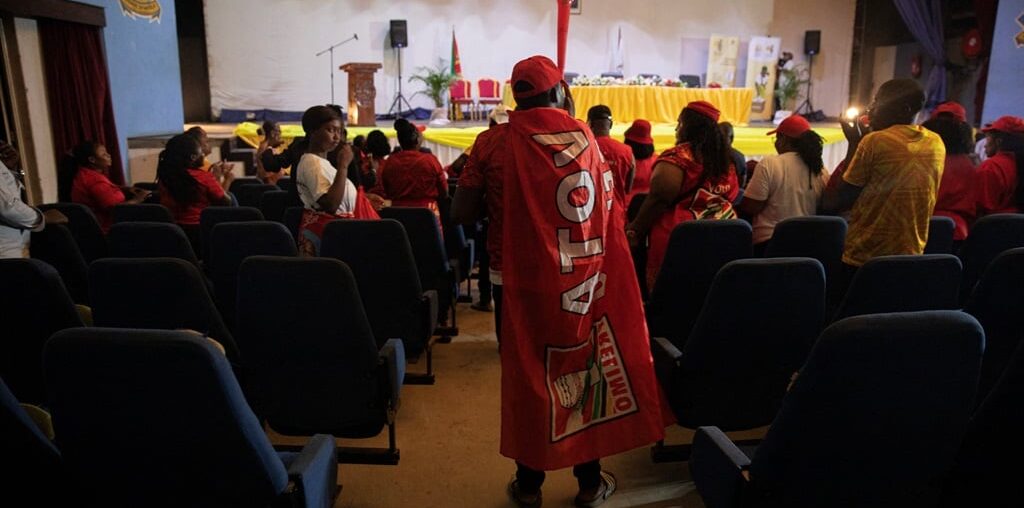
{"points": [[578, 381]]}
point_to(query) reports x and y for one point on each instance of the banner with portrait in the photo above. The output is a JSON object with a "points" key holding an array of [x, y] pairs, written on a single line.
{"points": [[762, 59], [722, 54]]}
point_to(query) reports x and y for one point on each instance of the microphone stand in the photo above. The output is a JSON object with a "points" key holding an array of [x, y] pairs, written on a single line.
{"points": [[331, 51]]}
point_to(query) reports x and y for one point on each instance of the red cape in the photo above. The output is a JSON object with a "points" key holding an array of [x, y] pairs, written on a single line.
{"points": [[577, 376]]}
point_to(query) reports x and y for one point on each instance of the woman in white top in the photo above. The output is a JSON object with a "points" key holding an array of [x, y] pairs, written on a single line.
{"points": [[786, 185], [326, 192]]}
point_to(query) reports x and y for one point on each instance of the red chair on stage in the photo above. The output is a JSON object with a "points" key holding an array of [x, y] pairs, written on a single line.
{"points": [[489, 91], [460, 95]]}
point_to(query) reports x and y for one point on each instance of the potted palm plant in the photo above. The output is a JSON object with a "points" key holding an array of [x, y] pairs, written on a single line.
{"points": [[790, 89], [436, 80]]}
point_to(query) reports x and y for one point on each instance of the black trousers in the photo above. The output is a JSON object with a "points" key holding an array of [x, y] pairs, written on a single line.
{"points": [[496, 291], [588, 476], [484, 283]]}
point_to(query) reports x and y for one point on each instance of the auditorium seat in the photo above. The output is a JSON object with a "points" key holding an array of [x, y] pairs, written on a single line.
{"points": [[238, 183], [733, 370], [314, 361], [213, 215], [150, 240], [460, 250], [250, 195], [33, 473], [460, 94], [157, 293], [424, 233], [984, 473], [990, 236], [292, 220], [379, 254], [156, 418], [84, 227], [35, 306], [696, 251], [273, 204], [818, 237], [903, 284], [874, 419], [145, 212], [55, 246], [998, 304], [230, 244], [940, 235]]}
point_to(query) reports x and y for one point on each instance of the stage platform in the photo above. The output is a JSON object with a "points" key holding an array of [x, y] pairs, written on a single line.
{"points": [[450, 141]]}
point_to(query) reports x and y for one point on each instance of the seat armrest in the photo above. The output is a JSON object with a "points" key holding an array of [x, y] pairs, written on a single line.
{"points": [[392, 357], [315, 472], [718, 468], [430, 306], [665, 348]]}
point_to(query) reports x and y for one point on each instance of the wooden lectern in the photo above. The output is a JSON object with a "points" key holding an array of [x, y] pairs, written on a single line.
{"points": [[361, 93]]}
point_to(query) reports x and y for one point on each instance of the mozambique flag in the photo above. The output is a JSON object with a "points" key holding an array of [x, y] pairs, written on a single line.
{"points": [[456, 62]]}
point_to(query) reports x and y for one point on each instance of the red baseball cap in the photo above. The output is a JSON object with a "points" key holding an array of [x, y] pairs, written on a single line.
{"points": [[640, 132], [793, 126], [539, 71], [704, 108], [952, 107], [1008, 124]]}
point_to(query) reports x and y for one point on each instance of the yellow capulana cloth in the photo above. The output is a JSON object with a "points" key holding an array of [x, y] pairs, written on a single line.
{"points": [[752, 141], [656, 104]]}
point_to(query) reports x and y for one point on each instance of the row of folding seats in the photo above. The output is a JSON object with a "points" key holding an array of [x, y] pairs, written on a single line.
{"points": [[925, 371]]}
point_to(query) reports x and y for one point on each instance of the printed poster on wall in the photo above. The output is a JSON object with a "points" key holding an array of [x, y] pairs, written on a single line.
{"points": [[145, 9], [761, 61], [722, 60]]}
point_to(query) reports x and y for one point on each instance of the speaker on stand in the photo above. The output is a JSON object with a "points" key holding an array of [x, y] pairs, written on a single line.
{"points": [[399, 39], [812, 46]]}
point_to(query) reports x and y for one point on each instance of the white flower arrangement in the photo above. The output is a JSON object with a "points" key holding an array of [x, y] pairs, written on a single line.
{"points": [[583, 80]]}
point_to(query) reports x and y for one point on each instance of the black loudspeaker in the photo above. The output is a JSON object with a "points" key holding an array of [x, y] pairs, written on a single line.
{"points": [[812, 42], [399, 37]]}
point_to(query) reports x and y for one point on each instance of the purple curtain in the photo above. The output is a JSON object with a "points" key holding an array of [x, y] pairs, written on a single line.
{"points": [[924, 19]]}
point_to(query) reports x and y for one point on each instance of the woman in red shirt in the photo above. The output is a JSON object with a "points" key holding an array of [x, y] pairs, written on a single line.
{"points": [[1000, 177], [185, 189], [956, 196], [413, 178], [84, 178], [377, 150], [694, 180], [638, 137]]}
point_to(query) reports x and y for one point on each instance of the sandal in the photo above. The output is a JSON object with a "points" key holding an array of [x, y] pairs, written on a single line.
{"points": [[608, 482], [520, 498]]}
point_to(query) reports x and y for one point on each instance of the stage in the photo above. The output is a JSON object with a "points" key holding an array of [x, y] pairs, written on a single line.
{"points": [[449, 142]]}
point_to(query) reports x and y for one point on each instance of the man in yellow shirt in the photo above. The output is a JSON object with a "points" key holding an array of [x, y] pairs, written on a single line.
{"points": [[892, 181]]}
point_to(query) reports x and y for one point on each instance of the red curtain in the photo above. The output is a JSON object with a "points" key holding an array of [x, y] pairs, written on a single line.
{"points": [[78, 89]]}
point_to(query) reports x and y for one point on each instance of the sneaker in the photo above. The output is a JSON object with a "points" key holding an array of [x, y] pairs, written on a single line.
{"points": [[604, 491], [482, 306], [520, 498]]}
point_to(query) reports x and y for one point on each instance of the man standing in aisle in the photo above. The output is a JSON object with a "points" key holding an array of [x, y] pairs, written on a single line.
{"points": [[577, 377]]}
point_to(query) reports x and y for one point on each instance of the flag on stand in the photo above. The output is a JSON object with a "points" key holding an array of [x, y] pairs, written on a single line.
{"points": [[618, 54], [562, 31], [456, 62]]}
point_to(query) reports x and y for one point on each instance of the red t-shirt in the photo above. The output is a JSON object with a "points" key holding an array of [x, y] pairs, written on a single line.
{"points": [[208, 192], [413, 178], [484, 171], [997, 184], [642, 178], [619, 157], [93, 189], [956, 198]]}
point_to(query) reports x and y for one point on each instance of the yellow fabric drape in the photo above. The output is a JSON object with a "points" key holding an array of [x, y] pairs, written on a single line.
{"points": [[656, 104], [752, 141]]}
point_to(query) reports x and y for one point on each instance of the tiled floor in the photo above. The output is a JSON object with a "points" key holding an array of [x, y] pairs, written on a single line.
{"points": [[448, 435]]}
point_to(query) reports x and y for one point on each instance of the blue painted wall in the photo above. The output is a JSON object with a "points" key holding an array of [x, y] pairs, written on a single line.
{"points": [[145, 80], [1005, 92]]}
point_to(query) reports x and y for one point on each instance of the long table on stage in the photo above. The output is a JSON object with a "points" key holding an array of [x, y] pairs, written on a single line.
{"points": [[657, 104]]}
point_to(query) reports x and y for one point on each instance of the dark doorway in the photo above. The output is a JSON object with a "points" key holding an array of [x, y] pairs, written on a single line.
{"points": [[195, 74]]}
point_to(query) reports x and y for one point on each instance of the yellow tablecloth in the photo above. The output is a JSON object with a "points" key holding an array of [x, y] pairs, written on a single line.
{"points": [[752, 141], [656, 104]]}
